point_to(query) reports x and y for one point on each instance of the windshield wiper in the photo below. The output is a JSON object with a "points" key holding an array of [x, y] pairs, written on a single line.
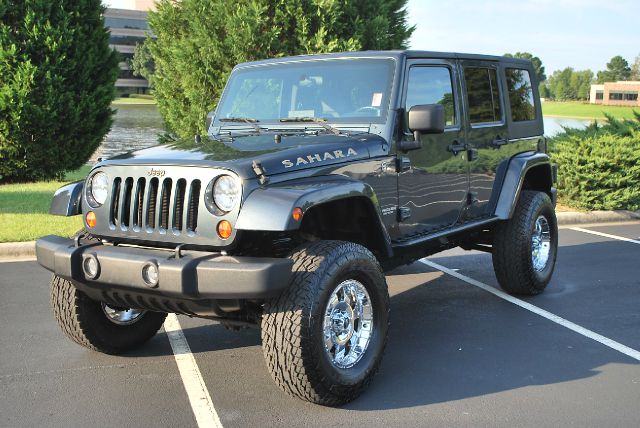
{"points": [[249, 120], [315, 120]]}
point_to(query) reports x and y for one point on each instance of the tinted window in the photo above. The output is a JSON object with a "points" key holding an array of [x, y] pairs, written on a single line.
{"points": [[520, 95], [482, 95], [138, 24], [431, 85]]}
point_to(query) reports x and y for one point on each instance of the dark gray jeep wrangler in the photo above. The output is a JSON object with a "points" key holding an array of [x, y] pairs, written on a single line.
{"points": [[319, 174]]}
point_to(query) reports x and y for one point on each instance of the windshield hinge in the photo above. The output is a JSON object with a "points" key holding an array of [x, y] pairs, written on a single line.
{"points": [[260, 172]]}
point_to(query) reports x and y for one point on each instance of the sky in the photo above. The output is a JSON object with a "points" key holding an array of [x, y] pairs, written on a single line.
{"points": [[562, 33]]}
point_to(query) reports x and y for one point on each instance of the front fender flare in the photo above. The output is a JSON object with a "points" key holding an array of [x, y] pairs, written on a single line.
{"points": [[270, 208], [67, 200]]}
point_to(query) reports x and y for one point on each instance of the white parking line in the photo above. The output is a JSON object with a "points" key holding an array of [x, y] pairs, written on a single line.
{"points": [[606, 235], [538, 311], [199, 398]]}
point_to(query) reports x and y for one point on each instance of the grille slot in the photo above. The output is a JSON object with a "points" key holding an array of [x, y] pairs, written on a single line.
{"points": [[115, 202], [151, 205], [155, 205], [164, 203], [178, 205], [126, 202], [137, 216], [192, 208]]}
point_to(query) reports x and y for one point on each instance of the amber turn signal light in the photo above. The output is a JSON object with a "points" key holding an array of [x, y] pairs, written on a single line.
{"points": [[224, 229], [297, 214], [91, 219]]}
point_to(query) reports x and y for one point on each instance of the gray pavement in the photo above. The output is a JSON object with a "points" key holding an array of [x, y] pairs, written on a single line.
{"points": [[457, 355]]}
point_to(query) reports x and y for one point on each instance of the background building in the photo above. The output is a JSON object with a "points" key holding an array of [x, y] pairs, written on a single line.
{"points": [[616, 94], [127, 28]]}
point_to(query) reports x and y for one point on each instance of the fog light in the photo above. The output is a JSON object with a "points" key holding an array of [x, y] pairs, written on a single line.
{"points": [[91, 266], [91, 219], [224, 229], [150, 274]]}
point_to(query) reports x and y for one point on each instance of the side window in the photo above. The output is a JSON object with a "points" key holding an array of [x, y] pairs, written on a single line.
{"points": [[520, 95], [432, 85], [483, 95]]}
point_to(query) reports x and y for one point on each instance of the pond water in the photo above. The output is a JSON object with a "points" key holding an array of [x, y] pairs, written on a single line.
{"points": [[555, 125], [134, 127], [138, 126]]}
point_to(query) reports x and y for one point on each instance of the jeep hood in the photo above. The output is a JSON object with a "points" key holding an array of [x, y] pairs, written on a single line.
{"points": [[294, 152]]}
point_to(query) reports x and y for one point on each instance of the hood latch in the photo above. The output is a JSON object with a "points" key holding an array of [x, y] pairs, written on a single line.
{"points": [[260, 172]]}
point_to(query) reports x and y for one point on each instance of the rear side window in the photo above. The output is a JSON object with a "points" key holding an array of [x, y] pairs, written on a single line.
{"points": [[520, 95], [483, 95], [432, 85]]}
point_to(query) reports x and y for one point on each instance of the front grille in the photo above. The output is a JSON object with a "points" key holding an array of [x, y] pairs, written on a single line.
{"points": [[158, 204]]}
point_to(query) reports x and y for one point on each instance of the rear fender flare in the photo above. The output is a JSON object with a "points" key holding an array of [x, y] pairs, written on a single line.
{"points": [[513, 181]]}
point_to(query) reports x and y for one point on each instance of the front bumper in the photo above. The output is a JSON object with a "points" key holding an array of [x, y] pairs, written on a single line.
{"points": [[193, 276]]}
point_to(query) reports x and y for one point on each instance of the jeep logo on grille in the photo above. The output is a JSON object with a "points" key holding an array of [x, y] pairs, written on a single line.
{"points": [[156, 172]]}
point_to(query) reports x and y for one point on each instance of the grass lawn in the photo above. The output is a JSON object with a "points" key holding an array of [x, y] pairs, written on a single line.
{"points": [[120, 101], [579, 109], [24, 210]]}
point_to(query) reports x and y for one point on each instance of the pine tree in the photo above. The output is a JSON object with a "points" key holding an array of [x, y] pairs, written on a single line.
{"points": [[197, 43], [57, 77]]}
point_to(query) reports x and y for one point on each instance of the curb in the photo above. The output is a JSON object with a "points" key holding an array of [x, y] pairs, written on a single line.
{"points": [[14, 250], [574, 217]]}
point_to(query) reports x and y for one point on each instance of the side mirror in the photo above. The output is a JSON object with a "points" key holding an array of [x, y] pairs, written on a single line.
{"points": [[426, 119]]}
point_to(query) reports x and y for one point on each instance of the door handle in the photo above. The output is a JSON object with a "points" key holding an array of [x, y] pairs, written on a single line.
{"points": [[456, 148], [499, 141]]}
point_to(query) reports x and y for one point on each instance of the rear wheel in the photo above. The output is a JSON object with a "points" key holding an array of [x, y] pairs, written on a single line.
{"points": [[324, 336], [525, 247], [99, 326]]}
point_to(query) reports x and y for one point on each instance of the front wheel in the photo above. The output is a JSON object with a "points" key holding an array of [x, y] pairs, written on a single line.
{"points": [[324, 336], [99, 326], [525, 246]]}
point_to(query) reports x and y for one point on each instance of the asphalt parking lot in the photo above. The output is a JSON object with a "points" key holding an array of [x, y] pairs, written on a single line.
{"points": [[457, 354]]}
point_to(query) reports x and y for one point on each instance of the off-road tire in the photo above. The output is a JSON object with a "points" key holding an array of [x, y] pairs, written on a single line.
{"points": [[512, 245], [84, 321], [292, 324]]}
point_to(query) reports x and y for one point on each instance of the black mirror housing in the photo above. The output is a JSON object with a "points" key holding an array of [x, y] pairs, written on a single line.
{"points": [[427, 119]]}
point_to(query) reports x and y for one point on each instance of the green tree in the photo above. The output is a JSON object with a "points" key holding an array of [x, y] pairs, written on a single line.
{"points": [[543, 90], [617, 69], [569, 84], [635, 69], [199, 41], [57, 77], [537, 63]]}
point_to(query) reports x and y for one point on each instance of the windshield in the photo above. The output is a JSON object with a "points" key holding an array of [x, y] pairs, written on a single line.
{"points": [[354, 90]]}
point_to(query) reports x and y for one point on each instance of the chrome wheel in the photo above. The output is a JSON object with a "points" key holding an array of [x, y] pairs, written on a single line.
{"points": [[348, 324], [541, 244], [122, 316]]}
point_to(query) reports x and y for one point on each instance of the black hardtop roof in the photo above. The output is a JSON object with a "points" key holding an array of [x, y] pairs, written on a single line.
{"points": [[409, 54]]}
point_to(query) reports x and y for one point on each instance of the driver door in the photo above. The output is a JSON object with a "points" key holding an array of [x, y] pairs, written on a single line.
{"points": [[433, 181]]}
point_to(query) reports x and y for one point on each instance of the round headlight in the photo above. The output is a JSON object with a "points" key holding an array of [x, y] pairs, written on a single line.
{"points": [[226, 192], [99, 187]]}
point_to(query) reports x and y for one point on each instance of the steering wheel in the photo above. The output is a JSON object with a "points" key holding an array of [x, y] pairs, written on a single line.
{"points": [[374, 110]]}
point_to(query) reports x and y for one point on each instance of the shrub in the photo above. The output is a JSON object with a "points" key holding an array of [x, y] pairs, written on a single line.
{"points": [[599, 167], [57, 77]]}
